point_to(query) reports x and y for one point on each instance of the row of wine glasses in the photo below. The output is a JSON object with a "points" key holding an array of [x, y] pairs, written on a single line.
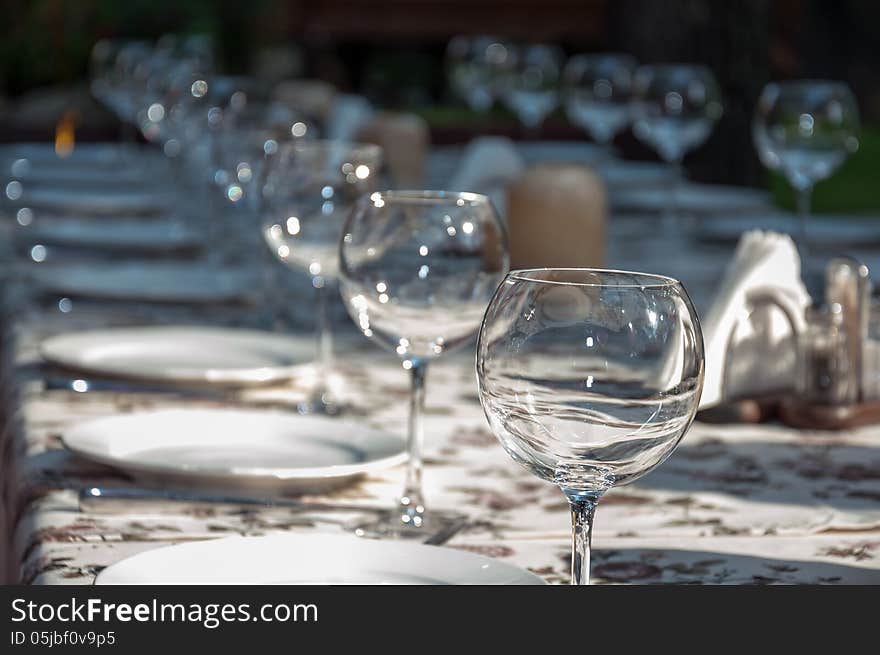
{"points": [[588, 378], [673, 106]]}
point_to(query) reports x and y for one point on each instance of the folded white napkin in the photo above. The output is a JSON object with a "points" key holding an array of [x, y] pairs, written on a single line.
{"points": [[748, 332], [348, 115], [488, 164]]}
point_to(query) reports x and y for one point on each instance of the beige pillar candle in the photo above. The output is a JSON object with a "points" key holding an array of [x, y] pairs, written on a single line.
{"points": [[405, 139], [556, 217]]}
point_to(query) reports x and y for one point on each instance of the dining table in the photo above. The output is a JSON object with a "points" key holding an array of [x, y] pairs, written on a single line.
{"points": [[736, 503]]}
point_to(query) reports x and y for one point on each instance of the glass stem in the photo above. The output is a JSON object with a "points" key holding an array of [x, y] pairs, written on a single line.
{"points": [[811, 279], [323, 334], [583, 507], [675, 191], [802, 201], [412, 501]]}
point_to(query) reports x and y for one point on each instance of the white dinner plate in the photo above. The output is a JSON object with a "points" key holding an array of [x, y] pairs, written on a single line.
{"points": [[180, 355], [149, 281], [693, 198], [105, 155], [242, 449], [122, 234], [90, 201], [619, 174], [570, 152], [823, 231], [311, 559]]}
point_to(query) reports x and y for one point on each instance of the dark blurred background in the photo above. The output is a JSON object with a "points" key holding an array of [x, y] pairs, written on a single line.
{"points": [[392, 51]]}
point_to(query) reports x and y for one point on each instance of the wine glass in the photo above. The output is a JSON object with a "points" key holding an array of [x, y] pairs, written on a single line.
{"points": [[311, 187], [531, 83], [675, 108], [806, 129], [474, 66], [589, 379], [417, 271], [597, 93]]}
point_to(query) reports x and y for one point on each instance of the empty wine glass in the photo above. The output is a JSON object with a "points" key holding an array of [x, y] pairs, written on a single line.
{"points": [[675, 108], [589, 379], [531, 83], [806, 129], [597, 93], [310, 189], [474, 65], [417, 271]]}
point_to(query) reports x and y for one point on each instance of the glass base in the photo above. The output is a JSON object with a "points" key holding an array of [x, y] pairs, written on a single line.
{"points": [[435, 527], [324, 393], [320, 404]]}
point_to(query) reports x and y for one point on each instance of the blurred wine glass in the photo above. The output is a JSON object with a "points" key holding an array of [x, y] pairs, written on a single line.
{"points": [[417, 271], [531, 83], [597, 90], [675, 108], [102, 69], [805, 129], [589, 379], [474, 66], [311, 187]]}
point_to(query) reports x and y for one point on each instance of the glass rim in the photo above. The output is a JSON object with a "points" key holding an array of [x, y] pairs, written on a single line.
{"points": [[650, 280], [428, 195]]}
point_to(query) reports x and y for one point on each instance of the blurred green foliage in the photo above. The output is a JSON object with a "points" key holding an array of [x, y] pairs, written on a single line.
{"points": [[49, 41], [854, 189]]}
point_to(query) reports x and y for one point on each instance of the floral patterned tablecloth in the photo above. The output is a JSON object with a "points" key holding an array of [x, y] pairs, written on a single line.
{"points": [[734, 504]]}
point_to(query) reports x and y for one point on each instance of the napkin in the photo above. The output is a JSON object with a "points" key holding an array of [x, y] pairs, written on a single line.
{"points": [[748, 332], [487, 166]]}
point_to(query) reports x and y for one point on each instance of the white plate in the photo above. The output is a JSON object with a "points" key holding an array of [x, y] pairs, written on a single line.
{"points": [[146, 282], [180, 355], [823, 231], [572, 152], [76, 200], [693, 198], [110, 155], [311, 559], [625, 175], [223, 449], [123, 234]]}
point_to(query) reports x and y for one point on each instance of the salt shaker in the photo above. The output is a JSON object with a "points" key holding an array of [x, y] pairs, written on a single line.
{"points": [[847, 285], [824, 375]]}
